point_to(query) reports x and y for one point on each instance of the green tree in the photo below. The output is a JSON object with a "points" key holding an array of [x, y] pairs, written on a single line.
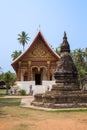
{"points": [[78, 56], [1, 71], [15, 54], [85, 51], [23, 38], [9, 79], [58, 50]]}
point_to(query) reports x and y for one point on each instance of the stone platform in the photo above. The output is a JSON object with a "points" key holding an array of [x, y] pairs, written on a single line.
{"points": [[65, 98]]}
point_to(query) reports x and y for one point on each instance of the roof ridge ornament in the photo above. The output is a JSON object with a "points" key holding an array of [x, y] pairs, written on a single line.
{"points": [[39, 28]]}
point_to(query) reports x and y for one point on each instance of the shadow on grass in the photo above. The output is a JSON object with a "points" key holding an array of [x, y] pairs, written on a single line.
{"points": [[9, 102]]}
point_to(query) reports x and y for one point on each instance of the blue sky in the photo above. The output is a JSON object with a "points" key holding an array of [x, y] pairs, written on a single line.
{"points": [[53, 16]]}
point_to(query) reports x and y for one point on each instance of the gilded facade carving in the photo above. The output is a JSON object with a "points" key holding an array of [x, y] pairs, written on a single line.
{"points": [[40, 51]]}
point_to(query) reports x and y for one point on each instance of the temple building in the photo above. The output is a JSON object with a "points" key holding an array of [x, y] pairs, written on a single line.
{"points": [[36, 66]]}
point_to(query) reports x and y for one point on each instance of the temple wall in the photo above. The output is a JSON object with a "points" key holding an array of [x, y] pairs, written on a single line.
{"points": [[25, 85], [46, 85]]}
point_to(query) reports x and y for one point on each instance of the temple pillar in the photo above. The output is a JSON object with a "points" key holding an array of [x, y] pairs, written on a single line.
{"points": [[29, 70], [48, 70], [19, 72]]}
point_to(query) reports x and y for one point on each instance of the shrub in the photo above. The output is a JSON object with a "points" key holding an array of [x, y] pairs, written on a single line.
{"points": [[22, 92]]}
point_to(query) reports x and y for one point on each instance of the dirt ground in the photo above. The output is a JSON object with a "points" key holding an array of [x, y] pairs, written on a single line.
{"points": [[19, 118], [74, 122]]}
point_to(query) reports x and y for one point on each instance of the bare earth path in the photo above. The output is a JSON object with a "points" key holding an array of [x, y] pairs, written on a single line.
{"points": [[78, 122], [18, 118]]}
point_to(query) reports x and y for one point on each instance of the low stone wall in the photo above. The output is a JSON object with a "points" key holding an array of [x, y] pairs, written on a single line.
{"points": [[26, 85], [48, 84], [31, 88]]}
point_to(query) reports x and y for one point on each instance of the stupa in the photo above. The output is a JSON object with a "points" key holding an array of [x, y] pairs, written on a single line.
{"points": [[66, 74], [65, 93]]}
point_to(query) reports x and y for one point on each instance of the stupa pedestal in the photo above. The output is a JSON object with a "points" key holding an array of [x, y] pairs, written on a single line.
{"points": [[65, 93]]}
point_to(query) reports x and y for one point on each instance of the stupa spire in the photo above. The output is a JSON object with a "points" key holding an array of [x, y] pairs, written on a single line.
{"points": [[65, 45], [65, 37]]}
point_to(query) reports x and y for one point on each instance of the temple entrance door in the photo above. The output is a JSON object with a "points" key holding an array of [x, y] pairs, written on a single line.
{"points": [[38, 79]]}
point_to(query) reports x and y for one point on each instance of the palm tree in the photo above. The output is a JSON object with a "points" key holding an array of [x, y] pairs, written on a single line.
{"points": [[23, 38], [15, 54]]}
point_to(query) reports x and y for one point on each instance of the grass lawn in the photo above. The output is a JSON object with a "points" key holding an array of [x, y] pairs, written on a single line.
{"points": [[2, 92], [14, 117]]}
